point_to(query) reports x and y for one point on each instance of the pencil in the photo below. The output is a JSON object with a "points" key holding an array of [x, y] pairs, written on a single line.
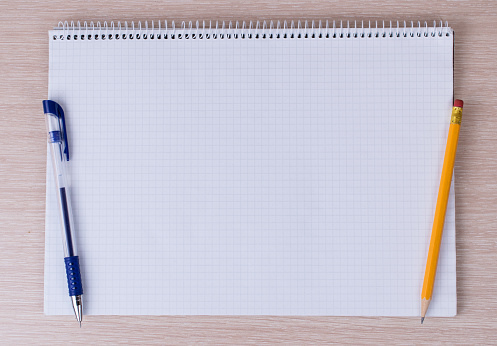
{"points": [[443, 196]]}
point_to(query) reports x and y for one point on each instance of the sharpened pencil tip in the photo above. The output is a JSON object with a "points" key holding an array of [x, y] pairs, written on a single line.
{"points": [[422, 320], [80, 323]]}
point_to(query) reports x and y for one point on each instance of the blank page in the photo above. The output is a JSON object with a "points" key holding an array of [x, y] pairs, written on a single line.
{"points": [[262, 176]]}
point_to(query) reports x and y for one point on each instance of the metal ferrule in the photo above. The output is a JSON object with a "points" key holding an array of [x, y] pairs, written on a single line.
{"points": [[456, 116]]}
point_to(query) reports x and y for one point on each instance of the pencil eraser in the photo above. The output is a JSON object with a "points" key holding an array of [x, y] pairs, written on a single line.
{"points": [[458, 103]]}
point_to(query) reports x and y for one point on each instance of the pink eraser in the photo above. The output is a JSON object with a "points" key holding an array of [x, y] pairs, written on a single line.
{"points": [[458, 103]]}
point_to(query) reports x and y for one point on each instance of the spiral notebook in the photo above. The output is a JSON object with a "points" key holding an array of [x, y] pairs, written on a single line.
{"points": [[279, 168]]}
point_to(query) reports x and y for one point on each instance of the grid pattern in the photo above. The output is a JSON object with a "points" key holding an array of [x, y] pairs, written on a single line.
{"points": [[253, 177]]}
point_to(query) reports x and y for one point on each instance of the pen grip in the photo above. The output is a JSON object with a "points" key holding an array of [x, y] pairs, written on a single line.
{"points": [[73, 276]]}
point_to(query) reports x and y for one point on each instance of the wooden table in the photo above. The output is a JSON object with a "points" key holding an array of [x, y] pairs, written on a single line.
{"points": [[24, 74]]}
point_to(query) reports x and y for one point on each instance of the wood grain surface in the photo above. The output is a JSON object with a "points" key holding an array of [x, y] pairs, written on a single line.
{"points": [[24, 75]]}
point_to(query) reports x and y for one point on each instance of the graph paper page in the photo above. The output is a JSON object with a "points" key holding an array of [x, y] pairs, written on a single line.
{"points": [[253, 176]]}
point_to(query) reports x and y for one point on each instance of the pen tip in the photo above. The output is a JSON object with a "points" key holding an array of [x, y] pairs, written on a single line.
{"points": [[80, 324], [422, 319]]}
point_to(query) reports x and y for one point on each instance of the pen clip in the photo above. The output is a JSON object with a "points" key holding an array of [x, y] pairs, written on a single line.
{"points": [[52, 107]]}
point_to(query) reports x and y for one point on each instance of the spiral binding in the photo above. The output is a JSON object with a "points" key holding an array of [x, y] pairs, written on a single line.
{"points": [[245, 30]]}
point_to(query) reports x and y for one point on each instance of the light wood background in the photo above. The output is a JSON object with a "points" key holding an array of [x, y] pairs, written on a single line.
{"points": [[24, 74]]}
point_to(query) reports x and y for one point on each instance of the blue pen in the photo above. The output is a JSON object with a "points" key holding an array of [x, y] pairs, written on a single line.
{"points": [[57, 140]]}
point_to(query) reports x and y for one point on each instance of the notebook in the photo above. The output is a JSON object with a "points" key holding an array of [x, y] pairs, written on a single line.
{"points": [[246, 168]]}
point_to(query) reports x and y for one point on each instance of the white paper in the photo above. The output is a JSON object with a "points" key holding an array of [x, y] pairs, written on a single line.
{"points": [[253, 176]]}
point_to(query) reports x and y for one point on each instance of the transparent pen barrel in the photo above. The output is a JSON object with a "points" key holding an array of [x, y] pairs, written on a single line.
{"points": [[64, 202]]}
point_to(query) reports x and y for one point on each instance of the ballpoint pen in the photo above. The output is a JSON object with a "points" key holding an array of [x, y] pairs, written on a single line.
{"points": [[57, 140]]}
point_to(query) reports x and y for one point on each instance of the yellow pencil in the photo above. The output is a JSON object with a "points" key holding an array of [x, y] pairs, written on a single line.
{"points": [[443, 196]]}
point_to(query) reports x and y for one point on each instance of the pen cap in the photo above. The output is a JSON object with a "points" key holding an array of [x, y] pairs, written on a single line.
{"points": [[56, 124]]}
